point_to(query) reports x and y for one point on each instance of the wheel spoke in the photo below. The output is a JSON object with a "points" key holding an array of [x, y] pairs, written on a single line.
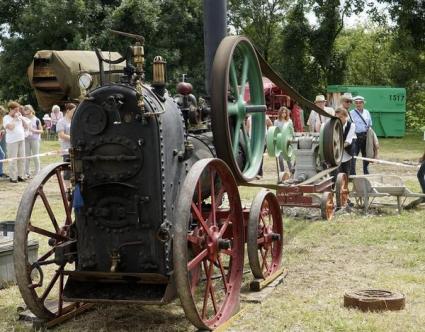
{"points": [[201, 220], [48, 208], [50, 286], [223, 227], [244, 79], [213, 298], [46, 255], [265, 265], [193, 239], [197, 260], [233, 78], [223, 274], [248, 145], [46, 233], [208, 274], [236, 134], [66, 204]]}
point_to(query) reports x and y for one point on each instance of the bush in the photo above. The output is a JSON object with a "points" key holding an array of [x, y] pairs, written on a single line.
{"points": [[415, 113]]}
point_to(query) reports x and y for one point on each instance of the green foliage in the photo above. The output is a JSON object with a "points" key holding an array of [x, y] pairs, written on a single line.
{"points": [[415, 114], [261, 21], [29, 26], [295, 64], [369, 55]]}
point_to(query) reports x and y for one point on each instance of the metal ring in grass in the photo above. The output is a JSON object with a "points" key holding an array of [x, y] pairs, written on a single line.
{"points": [[374, 300]]}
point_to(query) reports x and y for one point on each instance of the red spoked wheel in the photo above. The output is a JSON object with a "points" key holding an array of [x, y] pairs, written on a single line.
{"points": [[208, 245], [43, 220], [327, 206], [341, 190], [265, 235]]}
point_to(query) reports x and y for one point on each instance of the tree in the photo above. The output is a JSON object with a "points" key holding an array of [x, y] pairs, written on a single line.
{"points": [[35, 25], [261, 21], [369, 55], [295, 63]]}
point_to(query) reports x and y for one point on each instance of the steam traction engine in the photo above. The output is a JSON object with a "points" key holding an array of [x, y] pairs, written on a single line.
{"points": [[152, 214]]}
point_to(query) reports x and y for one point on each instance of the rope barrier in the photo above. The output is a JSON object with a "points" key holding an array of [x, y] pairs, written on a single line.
{"points": [[50, 153], [380, 161]]}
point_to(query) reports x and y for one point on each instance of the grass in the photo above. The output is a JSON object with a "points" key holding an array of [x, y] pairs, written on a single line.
{"points": [[324, 259]]}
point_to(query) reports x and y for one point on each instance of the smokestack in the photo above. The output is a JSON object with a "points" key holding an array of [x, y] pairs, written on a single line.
{"points": [[215, 29]]}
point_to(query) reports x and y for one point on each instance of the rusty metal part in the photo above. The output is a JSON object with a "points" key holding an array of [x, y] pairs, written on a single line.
{"points": [[265, 235], [201, 226], [327, 206], [341, 190], [35, 293], [374, 300]]}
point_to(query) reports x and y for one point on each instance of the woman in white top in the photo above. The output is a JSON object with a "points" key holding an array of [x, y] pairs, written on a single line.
{"points": [[15, 125], [284, 120], [32, 141]]}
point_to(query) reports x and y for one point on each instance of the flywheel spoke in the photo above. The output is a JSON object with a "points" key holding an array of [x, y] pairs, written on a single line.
{"points": [[236, 134], [244, 79], [233, 78]]}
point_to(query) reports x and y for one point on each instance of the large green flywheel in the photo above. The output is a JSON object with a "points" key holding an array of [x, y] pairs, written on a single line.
{"points": [[237, 94]]}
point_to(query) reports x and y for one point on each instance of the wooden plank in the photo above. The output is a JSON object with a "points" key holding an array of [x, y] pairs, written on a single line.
{"points": [[258, 284]]}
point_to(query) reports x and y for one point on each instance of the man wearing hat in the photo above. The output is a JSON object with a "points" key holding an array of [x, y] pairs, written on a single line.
{"points": [[315, 120], [363, 121], [346, 100]]}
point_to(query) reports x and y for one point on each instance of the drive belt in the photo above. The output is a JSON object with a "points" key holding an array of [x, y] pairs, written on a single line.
{"points": [[271, 74]]}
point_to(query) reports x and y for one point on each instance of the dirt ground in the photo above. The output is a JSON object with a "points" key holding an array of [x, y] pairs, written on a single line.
{"points": [[324, 259]]}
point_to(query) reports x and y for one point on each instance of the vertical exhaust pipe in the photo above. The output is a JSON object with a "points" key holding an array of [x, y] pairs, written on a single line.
{"points": [[215, 29]]}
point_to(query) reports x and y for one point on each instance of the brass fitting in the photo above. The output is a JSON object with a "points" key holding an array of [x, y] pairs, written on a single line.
{"points": [[159, 71], [115, 257]]}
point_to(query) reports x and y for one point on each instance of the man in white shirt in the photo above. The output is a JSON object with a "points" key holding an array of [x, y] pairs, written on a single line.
{"points": [[15, 125], [316, 120], [363, 121]]}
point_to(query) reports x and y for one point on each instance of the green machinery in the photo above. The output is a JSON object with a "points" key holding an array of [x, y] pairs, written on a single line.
{"points": [[387, 106]]}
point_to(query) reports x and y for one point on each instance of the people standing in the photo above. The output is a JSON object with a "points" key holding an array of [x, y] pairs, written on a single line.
{"points": [[2, 134], [55, 116], [349, 134], [63, 129], [15, 125], [346, 101], [315, 120], [32, 141], [284, 120], [363, 121]]}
